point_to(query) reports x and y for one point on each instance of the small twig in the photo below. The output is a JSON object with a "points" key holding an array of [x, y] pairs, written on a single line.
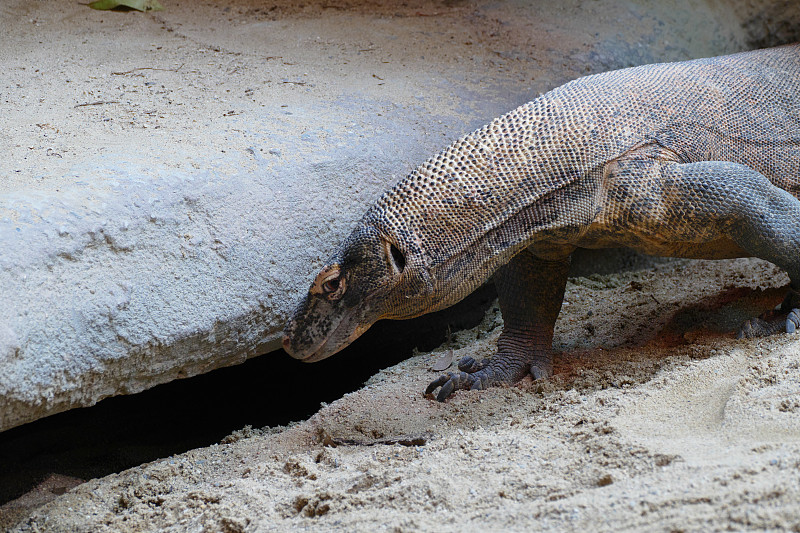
{"points": [[148, 68], [101, 102], [296, 82], [402, 440]]}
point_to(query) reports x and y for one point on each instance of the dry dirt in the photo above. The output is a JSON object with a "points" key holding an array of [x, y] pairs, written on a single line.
{"points": [[657, 419]]}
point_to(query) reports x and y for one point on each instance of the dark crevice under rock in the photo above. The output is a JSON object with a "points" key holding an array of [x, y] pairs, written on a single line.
{"points": [[269, 390]]}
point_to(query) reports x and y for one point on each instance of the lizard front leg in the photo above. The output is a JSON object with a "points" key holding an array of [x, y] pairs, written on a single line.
{"points": [[530, 291]]}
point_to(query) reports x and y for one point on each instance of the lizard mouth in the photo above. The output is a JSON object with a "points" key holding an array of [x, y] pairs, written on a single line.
{"points": [[345, 332], [318, 354], [324, 351]]}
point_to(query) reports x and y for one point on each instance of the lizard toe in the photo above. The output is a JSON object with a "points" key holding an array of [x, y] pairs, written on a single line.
{"points": [[482, 381], [447, 389], [438, 382], [793, 321], [505, 368], [469, 364], [541, 370], [449, 383]]}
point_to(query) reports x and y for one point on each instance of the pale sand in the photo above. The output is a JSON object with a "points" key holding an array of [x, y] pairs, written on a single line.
{"points": [[659, 420]]}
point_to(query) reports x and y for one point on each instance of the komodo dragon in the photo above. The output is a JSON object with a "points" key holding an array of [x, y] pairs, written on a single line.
{"points": [[697, 159]]}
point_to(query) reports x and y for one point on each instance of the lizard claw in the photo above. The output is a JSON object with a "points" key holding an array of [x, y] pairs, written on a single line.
{"points": [[793, 321]]}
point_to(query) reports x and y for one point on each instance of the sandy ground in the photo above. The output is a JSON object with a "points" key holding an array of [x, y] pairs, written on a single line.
{"points": [[657, 419]]}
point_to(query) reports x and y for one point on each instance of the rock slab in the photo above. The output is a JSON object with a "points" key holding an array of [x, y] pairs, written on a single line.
{"points": [[170, 184]]}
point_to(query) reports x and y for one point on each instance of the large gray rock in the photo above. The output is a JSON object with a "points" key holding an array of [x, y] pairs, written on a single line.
{"points": [[172, 181]]}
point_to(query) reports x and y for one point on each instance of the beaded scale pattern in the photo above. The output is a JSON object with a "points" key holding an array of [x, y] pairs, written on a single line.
{"points": [[696, 159]]}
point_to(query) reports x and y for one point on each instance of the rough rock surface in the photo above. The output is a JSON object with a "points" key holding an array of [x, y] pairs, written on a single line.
{"points": [[170, 180]]}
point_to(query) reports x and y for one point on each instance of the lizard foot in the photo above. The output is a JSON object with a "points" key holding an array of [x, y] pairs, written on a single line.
{"points": [[770, 323], [499, 370], [783, 319]]}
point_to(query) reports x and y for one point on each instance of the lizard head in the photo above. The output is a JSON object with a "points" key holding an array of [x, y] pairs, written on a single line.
{"points": [[367, 279]]}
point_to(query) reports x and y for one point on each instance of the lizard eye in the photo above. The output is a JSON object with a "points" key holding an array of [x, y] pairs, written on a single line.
{"points": [[332, 285], [333, 288], [397, 258]]}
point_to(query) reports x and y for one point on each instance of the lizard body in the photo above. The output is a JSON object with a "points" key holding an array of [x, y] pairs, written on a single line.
{"points": [[696, 159]]}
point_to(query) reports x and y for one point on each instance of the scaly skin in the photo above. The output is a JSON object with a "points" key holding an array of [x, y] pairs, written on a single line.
{"points": [[697, 159]]}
